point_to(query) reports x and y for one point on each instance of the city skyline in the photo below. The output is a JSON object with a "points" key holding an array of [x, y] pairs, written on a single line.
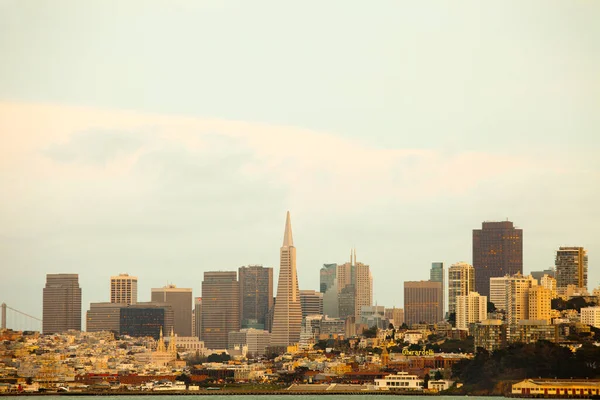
{"points": [[165, 163]]}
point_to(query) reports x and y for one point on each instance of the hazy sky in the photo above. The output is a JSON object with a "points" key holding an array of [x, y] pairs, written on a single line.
{"points": [[168, 138]]}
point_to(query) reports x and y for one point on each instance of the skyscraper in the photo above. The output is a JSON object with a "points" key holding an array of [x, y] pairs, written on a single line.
{"points": [[220, 308], [311, 302], [103, 317], [123, 289], [461, 281], [198, 317], [438, 274], [497, 251], [62, 303], [540, 303], [287, 314], [423, 302], [180, 300], [571, 267], [354, 278], [256, 295], [329, 288], [146, 319]]}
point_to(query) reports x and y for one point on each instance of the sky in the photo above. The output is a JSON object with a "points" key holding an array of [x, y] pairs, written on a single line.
{"points": [[168, 138]]}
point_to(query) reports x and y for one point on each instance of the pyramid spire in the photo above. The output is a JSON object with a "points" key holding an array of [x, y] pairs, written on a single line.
{"points": [[288, 240]]}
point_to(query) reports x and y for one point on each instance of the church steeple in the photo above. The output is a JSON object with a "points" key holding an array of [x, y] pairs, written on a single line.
{"points": [[161, 342]]}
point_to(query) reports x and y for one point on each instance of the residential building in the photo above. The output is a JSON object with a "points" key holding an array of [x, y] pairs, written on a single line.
{"points": [[395, 316], [257, 340], [549, 282], [540, 304], [591, 316], [571, 267], [517, 297], [498, 292], [311, 302], [470, 308], [61, 303], [539, 274], [287, 314], [461, 281], [104, 317], [438, 274], [531, 331], [123, 289], [220, 308], [329, 288], [146, 319], [256, 295], [490, 334], [181, 301], [423, 302], [497, 251]]}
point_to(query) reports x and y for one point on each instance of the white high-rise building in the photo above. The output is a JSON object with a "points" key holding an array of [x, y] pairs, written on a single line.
{"points": [[517, 297], [549, 283], [123, 289], [461, 281], [287, 314], [470, 308], [498, 292]]}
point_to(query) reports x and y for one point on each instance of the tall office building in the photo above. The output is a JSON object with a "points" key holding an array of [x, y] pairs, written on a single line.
{"points": [[123, 289], [329, 288], [198, 317], [220, 308], [423, 302], [287, 314], [438, 274], [497, 251], [461, 281], [470, 308], [256, 295], [517, 297], [181, 301], [571, 267], [311, 302], [354, 278], [103, 317], [396, 315], [62, 303], [146, 319], [540, 304], [539, 274]]}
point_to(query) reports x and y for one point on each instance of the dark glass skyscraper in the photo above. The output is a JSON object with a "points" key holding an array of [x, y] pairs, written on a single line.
{"points": [[256, 295], [497, 251], [438, 274], [220, 307]]}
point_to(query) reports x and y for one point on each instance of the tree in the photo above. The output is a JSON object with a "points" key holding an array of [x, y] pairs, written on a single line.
{"points": [[223, 357], [426, 381], [370, 333], [491, 307], [438, 375], [452, 318]]}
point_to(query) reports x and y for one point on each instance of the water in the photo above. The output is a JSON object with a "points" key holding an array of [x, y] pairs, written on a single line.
{"points": [[257, 397]]}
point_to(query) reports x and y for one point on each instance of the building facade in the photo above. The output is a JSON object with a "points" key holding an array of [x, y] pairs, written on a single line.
{"points": [[490, 334], [540, 304], [181, 301], [498, 292], [423, 302], [123, 289], [461, 281], [497, 251], [571, 267], [256, 295], [220, 308], [470, 308], [257, 340], [287, 314], [329, 288], [438, 274], [517, 297], [549, 282], [61, 303], [104, 317], [591, 316], [354, 278], [198, 317], [395, 315], [311, 302], [146, 319]]}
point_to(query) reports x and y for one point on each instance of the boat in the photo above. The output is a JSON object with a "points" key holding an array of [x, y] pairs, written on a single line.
{"points": [[401, 381]]}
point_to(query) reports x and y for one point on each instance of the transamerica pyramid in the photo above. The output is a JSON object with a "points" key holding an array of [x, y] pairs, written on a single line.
{"points": [[287, 316]]}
